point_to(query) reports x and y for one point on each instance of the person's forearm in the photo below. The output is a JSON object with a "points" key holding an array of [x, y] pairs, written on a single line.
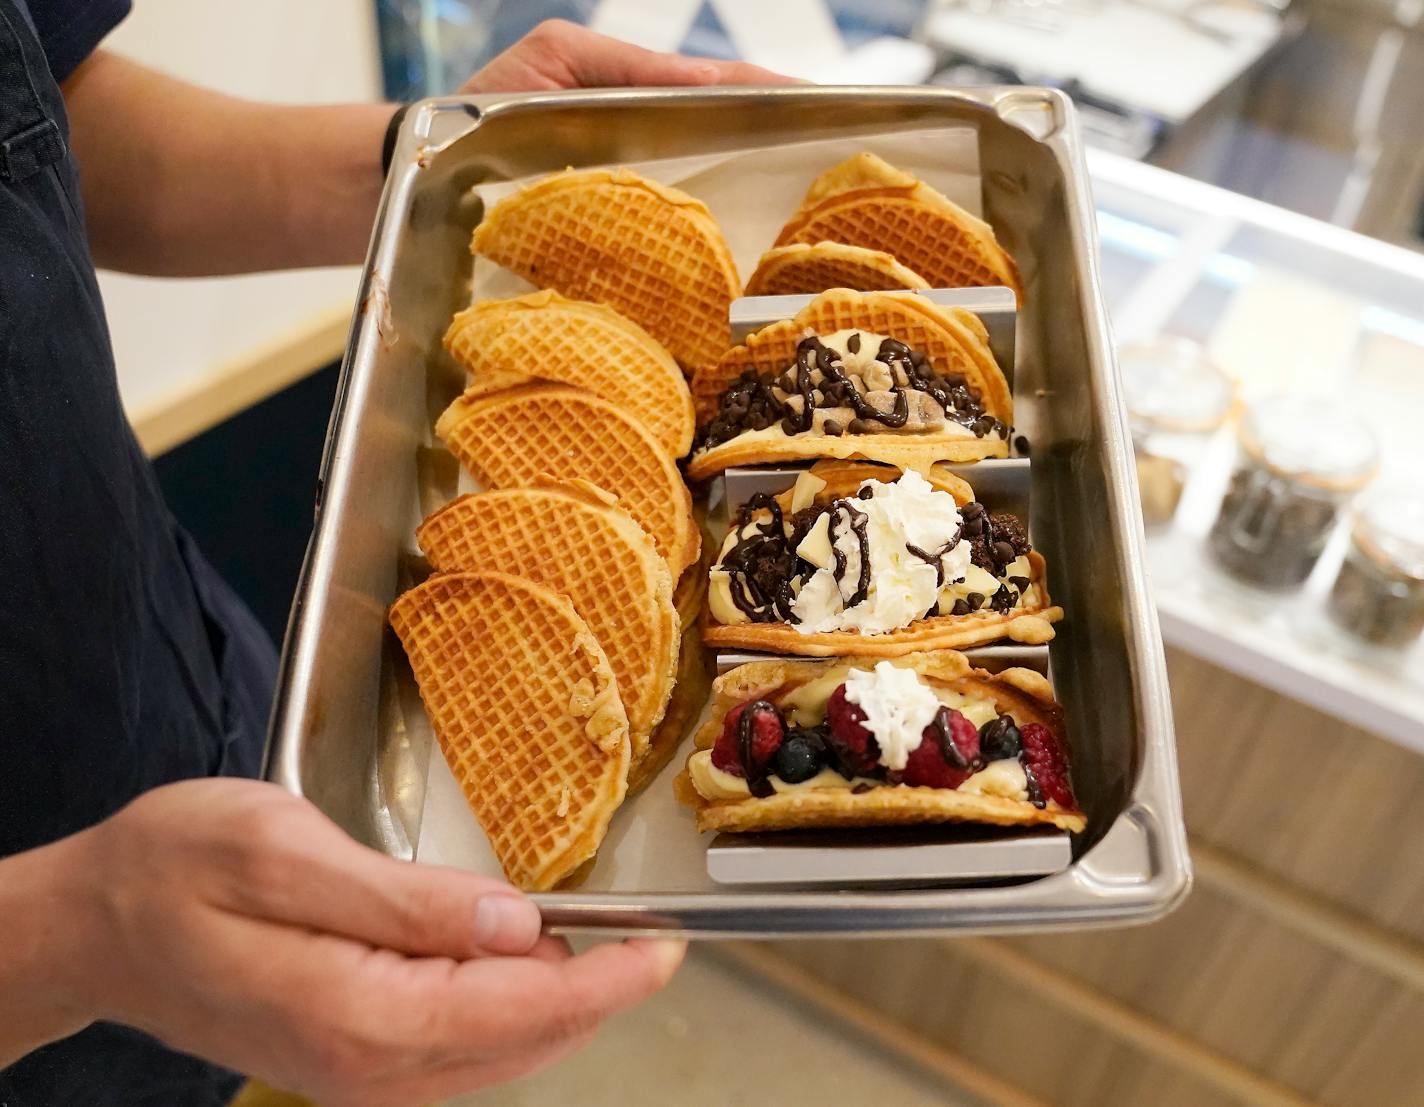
{"points": [[182, 181], [43, 917]]}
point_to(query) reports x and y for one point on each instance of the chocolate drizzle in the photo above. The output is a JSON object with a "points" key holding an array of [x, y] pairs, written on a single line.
{"points": [[758, 780], [936, 557], [819, 379], [859, 522]]}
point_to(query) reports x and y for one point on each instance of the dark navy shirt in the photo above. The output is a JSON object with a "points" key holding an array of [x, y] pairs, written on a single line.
{"points": [[125, 663]]}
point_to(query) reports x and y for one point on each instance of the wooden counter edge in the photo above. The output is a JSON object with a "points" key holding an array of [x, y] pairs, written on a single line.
{"points": [[238, 384]]}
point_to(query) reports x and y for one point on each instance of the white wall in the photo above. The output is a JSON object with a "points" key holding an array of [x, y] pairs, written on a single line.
{"points": [[171, 334]]}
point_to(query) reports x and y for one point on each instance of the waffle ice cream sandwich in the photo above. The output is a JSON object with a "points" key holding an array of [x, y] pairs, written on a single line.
{"points": [[510, 438], [543, 336], [526, 710], [882, 376], [866, 202], [923, 738], [814, 267], [572, 538], [859, 559], [652, 253]]}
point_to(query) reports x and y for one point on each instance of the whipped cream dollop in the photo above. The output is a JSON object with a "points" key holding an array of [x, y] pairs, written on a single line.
{"points": [[902, 585], [897, 705]]}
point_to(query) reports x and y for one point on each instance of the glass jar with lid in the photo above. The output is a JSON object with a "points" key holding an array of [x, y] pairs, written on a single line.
{"points": [[1176, 397], [1300, 461], [1379, 594]]}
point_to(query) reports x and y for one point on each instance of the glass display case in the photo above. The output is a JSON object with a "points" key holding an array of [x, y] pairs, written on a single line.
{"points": [[1284, 306]]}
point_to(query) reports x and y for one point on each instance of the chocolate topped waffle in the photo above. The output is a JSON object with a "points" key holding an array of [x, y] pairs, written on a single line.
{"points": [[884, 376], [863, 559]]}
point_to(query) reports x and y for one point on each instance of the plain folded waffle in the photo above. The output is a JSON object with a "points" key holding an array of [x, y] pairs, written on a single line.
{"points": [[572, 538], [1029, 622], [952, 340], [865, 202], [651, 252], [1021, 694], [508, 439], [543, 336], [694, 677], [814, 267], [526, 710]]}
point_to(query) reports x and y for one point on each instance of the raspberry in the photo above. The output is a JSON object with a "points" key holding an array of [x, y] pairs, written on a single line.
{"points": [[1046, 763], [927, 767], [854, 747], [767, 733]]}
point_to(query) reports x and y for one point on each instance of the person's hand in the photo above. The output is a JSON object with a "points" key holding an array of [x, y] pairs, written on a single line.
{"points": [[234, 921], [557, 54]]}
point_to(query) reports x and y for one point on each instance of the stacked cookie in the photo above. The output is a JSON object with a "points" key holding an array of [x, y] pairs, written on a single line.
{"points": [[555, 641]]}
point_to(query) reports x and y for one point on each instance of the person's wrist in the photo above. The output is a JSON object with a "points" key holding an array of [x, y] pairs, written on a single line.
{"points": [[54, 934]]}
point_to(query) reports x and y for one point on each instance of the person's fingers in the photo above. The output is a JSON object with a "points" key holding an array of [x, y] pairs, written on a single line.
{"points": [[560, 55], [541, 1003], [304, 870]]}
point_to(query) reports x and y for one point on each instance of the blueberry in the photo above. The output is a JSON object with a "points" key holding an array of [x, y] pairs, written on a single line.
{"points": [[800, 757], [999, 738]]}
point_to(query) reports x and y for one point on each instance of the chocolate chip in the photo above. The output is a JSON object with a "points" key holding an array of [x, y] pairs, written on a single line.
{"points": [[790, 426], [961, 607], [853, 343], [787, 382], [1003, 600], [1021, 444], [933, 611], [972, 510], [760, 422], [1003, 551], [866, 493], [1021, 583], [831, 427], [976, 600], [860, 426]]}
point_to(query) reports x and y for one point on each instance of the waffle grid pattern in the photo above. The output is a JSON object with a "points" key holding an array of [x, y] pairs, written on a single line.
{"points": [[662, 264], [925, 238], [595, 555], [502, 343], [497, 661], [795, 270], [511, 438]]}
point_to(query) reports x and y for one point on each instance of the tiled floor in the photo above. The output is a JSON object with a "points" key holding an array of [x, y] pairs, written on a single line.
{"points": [[718, 1037]]}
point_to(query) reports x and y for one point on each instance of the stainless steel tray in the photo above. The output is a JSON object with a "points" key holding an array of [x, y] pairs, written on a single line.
{"points": [[336, 731]]}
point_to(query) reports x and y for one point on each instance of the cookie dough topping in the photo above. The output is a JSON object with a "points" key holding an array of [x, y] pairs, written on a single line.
{"points": [[852, 382], [873, 562]]}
